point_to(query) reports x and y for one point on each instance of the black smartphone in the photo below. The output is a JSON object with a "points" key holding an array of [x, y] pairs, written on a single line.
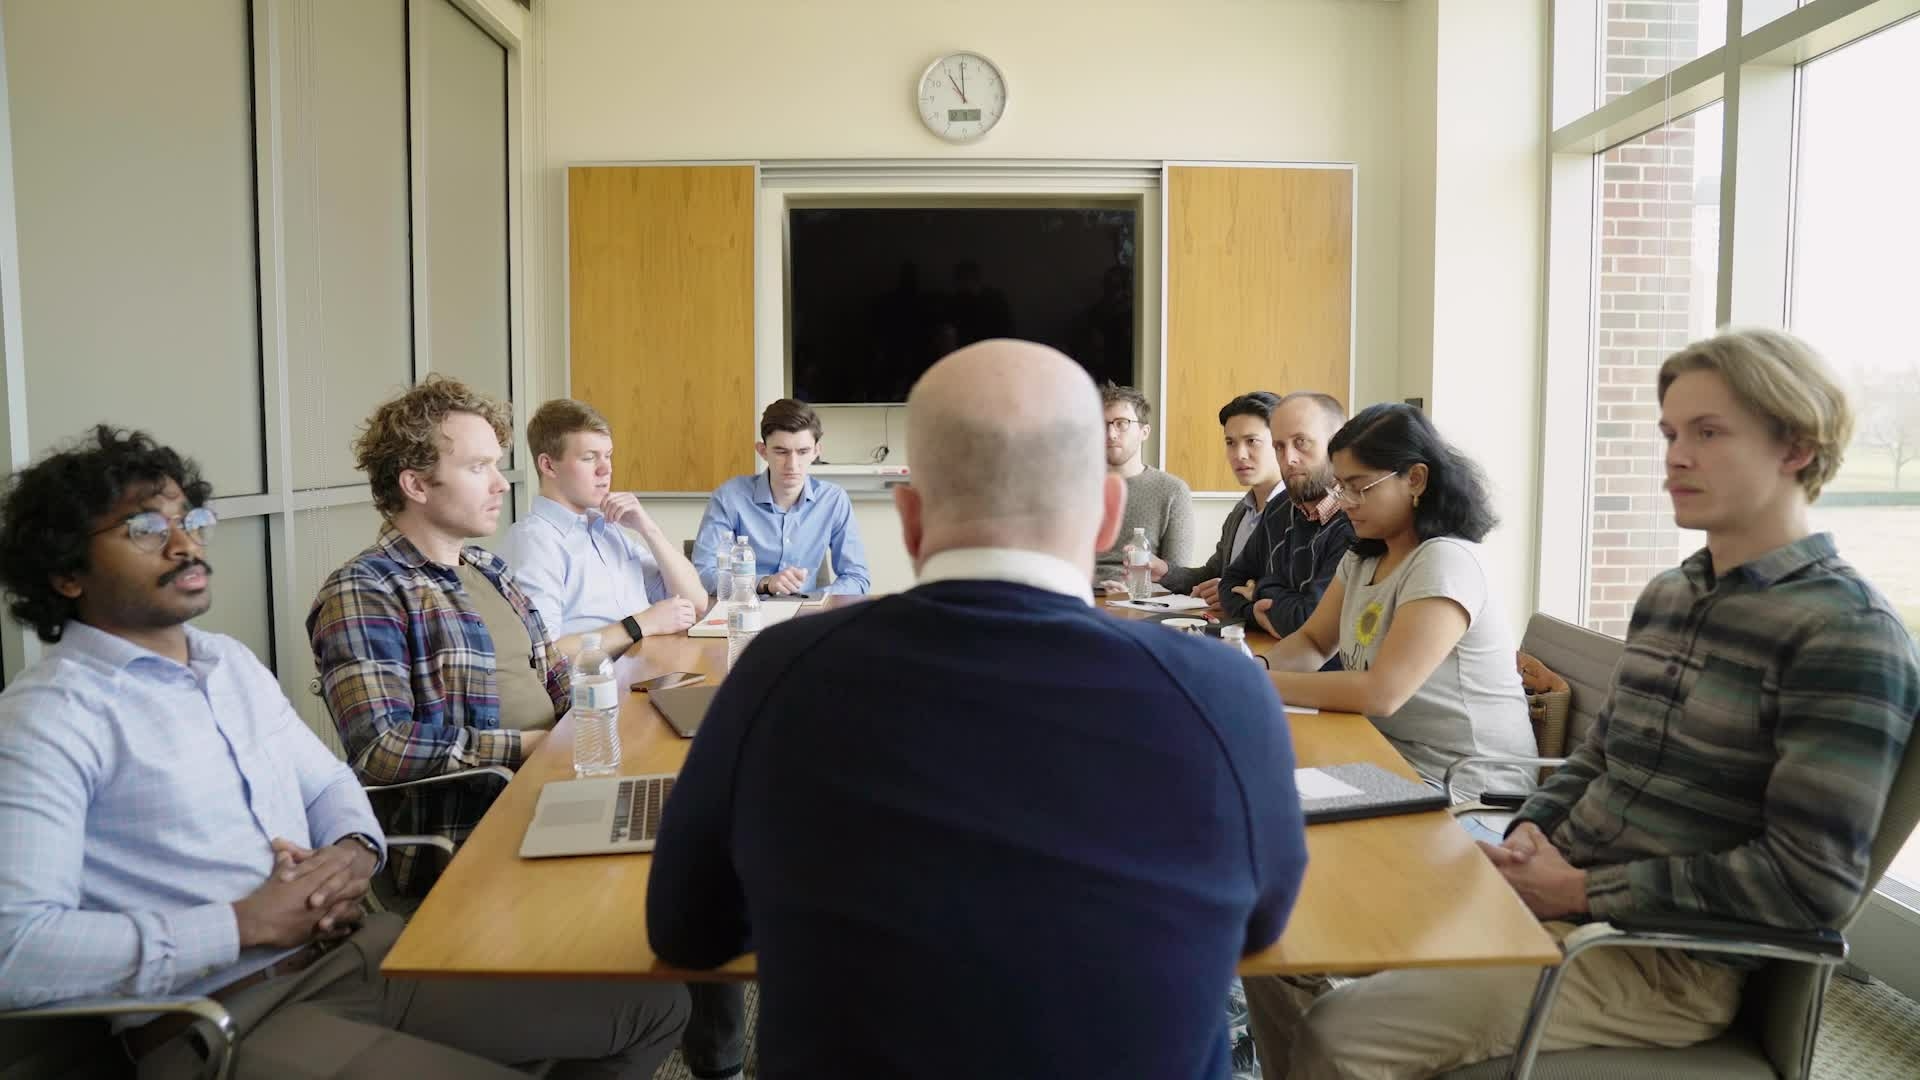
{"points": [[1502, 800], [670, 679]]}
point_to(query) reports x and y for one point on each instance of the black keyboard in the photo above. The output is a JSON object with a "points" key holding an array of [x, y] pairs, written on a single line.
{"points": [[636, 810]]}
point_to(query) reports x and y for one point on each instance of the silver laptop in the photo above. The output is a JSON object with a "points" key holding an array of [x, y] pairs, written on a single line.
{"points": [[601, 816]]}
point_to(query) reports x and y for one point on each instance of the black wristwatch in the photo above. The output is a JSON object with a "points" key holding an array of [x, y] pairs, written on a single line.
{"points": [[632, 627]]}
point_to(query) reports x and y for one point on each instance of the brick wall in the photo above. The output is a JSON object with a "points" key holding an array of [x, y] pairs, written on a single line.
{"points": [[1649, 293]]}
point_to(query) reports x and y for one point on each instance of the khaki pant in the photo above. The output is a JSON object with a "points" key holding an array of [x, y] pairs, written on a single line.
{"points": [[340, 1018], [1421, 1022]]}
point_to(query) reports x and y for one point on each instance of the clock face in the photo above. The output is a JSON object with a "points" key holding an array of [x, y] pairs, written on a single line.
{"points": [[962, 96]]}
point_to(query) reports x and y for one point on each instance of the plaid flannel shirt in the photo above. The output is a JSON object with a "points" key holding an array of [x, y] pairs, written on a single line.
{"points": [[1743, 758], [407, 669]]}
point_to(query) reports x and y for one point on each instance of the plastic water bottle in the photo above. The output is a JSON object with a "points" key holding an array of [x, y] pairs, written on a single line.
{"points": [[723, 570], [1139, 571], [743, 618], [743, 568], [596, 711], [1235, 638]]}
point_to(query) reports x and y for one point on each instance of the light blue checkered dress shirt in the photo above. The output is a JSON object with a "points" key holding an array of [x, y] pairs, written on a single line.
{"points": [[581, 571], [138, 798]]}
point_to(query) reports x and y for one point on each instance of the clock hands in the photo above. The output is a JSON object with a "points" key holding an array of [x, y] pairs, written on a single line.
{"points": [[957, 88]]}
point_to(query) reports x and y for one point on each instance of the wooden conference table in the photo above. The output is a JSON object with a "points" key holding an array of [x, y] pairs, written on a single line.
{"points": [[1394, 892]]}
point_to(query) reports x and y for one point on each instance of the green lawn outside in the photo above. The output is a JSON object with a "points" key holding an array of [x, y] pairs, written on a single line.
{"points": [[1870, 468]]}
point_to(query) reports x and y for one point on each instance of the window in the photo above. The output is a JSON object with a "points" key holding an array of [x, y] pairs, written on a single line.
{"points": [[1821, 232], [1642, 40], [1856, 259], [1656, 276]]}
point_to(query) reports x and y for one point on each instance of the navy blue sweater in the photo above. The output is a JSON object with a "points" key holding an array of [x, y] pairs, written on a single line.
{"points": [[979, 829]]}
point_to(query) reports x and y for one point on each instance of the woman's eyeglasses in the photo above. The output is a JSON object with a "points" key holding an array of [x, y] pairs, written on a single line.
{"points": [[149, 529], [1347, 496]]}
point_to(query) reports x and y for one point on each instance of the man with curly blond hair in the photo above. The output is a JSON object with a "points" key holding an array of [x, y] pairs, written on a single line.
{"points": [[430, 657]]}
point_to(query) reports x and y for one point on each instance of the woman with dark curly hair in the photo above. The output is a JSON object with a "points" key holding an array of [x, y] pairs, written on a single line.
{"points": [[1411, 611]]}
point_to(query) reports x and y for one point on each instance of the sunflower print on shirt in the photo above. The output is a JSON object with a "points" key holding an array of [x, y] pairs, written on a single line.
{"points": [[1367, 626]]}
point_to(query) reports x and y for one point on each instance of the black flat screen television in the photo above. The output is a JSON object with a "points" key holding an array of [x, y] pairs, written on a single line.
{"points": [[877, 294]]}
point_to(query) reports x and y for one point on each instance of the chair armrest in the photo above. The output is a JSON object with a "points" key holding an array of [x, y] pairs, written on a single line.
{"points": [[503, 773], [1704, 933], [208, 1015], [1446, 780], [199, 1008], [440, 842], [1671, 930]]}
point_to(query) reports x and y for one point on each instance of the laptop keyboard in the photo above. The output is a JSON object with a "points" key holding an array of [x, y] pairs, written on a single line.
{"points": [[636, 810]]}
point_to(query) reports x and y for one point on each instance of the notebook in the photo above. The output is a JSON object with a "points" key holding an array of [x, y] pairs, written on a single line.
{"points": [[715, 624], [1361, 790]]}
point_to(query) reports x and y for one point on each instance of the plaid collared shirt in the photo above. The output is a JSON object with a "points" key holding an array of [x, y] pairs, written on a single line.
{"points": [[407, 669], [1744, 754]]}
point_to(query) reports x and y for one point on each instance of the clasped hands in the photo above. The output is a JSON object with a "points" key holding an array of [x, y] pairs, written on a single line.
{"points": [[1551, 887], [310, 895]]}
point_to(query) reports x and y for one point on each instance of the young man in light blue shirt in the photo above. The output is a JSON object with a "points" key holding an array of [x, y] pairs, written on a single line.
{"points": [[173, 827], [793, 520], [574, 557], [586, 574]]}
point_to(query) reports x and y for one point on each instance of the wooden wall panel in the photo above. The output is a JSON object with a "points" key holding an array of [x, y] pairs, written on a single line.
{"points": [[660, 298], [1259, 297]]}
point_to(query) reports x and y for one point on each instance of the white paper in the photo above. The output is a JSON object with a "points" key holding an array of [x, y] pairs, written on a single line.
{"points": [[1303, 710], [1165, 603], [715, 624], [1314, 784]]}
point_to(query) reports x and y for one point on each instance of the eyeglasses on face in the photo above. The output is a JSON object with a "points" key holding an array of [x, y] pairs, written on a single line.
{"points": [[1121, 424], [149, 529], [1355, 496]]}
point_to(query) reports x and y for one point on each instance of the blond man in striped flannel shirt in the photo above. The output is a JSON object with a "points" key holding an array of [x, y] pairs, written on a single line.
{"points": [[1738, 769]]}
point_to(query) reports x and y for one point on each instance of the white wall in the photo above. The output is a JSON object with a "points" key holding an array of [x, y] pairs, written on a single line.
{"points": [[1474, 253], [1286, 80]]}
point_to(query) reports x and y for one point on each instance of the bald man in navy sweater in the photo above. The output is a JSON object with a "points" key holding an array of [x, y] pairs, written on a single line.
{"points": [[981, 828]]}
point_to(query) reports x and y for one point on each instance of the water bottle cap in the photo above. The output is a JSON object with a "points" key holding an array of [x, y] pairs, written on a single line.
{"points": [[1231, 631]]}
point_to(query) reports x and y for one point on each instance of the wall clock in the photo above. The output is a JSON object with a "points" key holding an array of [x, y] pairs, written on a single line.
{"points": [[962, 95]]}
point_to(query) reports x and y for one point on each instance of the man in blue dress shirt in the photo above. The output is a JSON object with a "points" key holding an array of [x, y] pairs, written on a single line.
{"points": [[172, 827], [793, 520], [981, 828]]}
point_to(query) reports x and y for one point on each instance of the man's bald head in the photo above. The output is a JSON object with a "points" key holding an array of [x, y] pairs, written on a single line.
{"points": [[1008, 450]]}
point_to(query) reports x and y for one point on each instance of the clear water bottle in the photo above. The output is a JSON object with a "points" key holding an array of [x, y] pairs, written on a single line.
{"points": [[743, 568], [596, 711], [1139, 570], [723, 570], [1235, 637], [743, 618]]}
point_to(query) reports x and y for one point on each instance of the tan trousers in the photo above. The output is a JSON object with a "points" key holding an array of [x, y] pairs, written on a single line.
{"points": [[1417, 1023], [340, 1018]]}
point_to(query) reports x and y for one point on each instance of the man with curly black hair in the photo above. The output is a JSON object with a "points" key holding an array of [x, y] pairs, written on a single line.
{"points": [[173, 827]]}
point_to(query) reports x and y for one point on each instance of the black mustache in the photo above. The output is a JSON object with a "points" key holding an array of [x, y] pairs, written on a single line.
{"points": [[167, 578]]}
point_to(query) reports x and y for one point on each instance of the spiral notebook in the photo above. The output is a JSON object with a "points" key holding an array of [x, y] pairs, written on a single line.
{"points": [[1361, 790]]}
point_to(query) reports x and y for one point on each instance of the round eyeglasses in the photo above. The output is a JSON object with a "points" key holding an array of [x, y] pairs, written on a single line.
{"points": [[149, 529]]}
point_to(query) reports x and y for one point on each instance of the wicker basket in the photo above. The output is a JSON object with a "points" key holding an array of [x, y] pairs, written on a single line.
{"points": [[1549, 713], [1548, 701]]}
